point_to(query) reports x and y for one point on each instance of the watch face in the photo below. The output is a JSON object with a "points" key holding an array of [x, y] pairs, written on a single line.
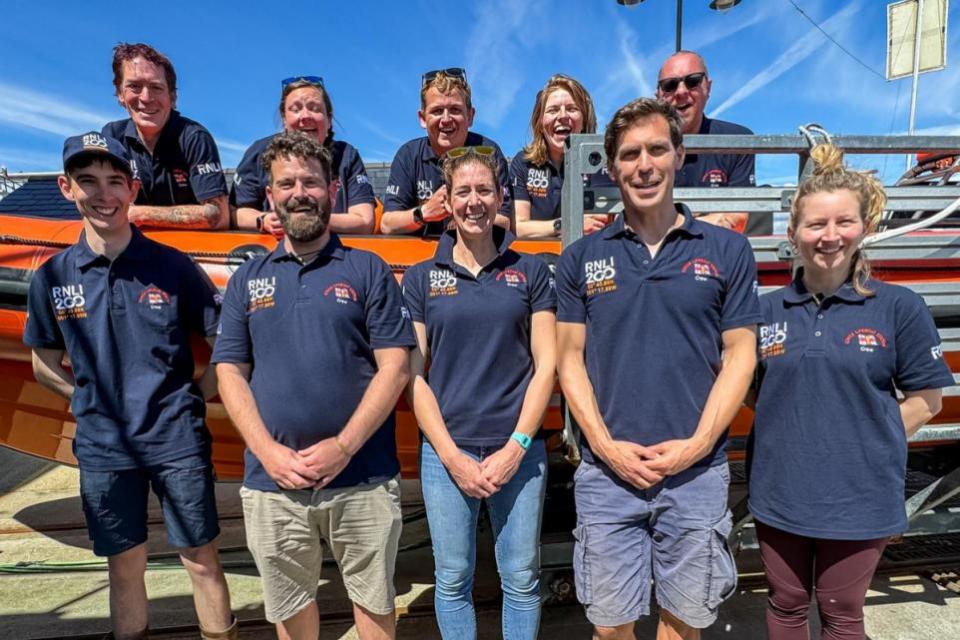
{"points": [[556, 224], [418, 215]]}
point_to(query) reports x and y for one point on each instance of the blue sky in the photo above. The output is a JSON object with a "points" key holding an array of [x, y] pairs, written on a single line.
{"points": [[772, 70]]}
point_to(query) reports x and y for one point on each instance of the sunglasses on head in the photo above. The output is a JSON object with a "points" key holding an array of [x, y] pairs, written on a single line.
{"points": [[692, 81], [459, 152], [454, 72], [317, 80]]}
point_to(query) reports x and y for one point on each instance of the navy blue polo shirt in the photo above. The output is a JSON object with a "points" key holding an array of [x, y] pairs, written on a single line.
{"points": [[478, 331], [829, 449], [724, 170], [417, 171], [251, 180], [310, 332], [654, 325], [126, 326], [184, 167], [542, 186]]}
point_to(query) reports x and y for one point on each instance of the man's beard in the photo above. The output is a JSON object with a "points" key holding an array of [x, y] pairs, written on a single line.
{"points": [[304, 226]]}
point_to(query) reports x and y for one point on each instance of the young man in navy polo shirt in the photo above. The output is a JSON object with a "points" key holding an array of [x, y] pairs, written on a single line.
{"points": [[123, 307], [312, 356], [656, 336], [415, 192], [174, 158], [684, 83]]}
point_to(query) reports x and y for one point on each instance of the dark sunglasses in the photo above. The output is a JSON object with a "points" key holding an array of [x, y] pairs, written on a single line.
{"points": [[454, 72], [459, 152], [317, 80], [692, 81]]}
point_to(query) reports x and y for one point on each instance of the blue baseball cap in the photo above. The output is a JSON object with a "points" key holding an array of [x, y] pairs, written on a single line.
{"points": [[94, 142]]}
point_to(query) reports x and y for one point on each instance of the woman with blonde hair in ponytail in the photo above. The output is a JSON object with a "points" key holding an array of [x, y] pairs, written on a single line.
{"points": [[829, 444]]}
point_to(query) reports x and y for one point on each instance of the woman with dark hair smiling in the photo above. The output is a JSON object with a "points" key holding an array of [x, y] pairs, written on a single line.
{"points": [[481, 377], [305, 106]]}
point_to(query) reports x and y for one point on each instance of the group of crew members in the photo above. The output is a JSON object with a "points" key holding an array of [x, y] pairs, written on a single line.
{"points": [[652, 320]]}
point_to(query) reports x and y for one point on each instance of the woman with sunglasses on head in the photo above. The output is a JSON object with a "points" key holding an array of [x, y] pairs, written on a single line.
{"points": [[829, 444], [305, 106], [562, 107], [481, 378]]}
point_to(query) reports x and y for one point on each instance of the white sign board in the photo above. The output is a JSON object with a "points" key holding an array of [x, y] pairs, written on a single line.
{"points": [[901, 33]]}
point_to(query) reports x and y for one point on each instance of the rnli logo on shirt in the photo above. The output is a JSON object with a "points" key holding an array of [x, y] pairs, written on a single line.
{"points": [[69, 302], [937, 352], [701, 268], [714, 178], [362, 178], [342, 292], [512, 277], [208, 168], [133, 170], [601, 276], [424, 189], [442, 283], [180, 177], [773, 340], [154, 297], [262, 292], [869, 340], [537, 182]]}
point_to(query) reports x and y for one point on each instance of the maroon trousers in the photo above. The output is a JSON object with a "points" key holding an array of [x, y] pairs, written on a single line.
{"points": [[838, 572]]}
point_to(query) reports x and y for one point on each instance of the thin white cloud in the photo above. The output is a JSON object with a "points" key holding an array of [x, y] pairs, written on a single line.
{"points": [[800, 50], [493, 52], [19, 160], [707, 33], [27, 109], [231, 145], [376, 129]]}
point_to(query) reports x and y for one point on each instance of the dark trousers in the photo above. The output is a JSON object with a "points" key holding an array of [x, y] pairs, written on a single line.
{"points": [[838, 572]]}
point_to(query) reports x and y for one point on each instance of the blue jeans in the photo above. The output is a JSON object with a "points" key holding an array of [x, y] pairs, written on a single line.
{"points": [[515, 512]]}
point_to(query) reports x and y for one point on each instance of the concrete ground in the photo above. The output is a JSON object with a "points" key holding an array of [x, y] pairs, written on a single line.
{"points": [[41, 521]]}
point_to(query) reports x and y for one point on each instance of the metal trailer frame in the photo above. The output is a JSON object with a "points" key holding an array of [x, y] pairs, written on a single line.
{"points": [[585, 155]]}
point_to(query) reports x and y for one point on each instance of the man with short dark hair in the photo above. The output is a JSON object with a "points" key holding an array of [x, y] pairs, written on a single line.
{"points": [[647, 306], [123, 307], [312, 356], [684, 83], [415, 192], [175, 158]]}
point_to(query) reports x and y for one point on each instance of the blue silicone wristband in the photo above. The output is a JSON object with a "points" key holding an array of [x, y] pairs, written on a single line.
{"points": [[522, 439]]}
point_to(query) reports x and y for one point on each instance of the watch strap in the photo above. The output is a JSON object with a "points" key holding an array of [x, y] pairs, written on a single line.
{"points": [[522, 439]]}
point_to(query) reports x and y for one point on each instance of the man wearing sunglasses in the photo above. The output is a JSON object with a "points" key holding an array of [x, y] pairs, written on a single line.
{"points": [[415, 193], [685, 84], [174, 158]]}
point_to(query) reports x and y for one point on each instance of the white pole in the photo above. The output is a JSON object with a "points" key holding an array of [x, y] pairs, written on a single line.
{"points": [[916, 73]]}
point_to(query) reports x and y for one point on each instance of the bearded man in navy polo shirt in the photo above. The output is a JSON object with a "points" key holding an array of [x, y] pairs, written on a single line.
{"points": [[123, 307], [312, 356], [657, 319], [174, 158], [415, 192], [685, 83]]}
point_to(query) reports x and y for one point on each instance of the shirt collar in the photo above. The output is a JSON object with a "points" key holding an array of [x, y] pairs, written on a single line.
{"points": [[690, 227], [427, 154], [334, 249], [130, 131], [136, 249], [796, 292], [444, 253]]}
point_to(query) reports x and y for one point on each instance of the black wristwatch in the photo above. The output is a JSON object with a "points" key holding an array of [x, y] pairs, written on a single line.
{"points": [[557, 224], [260, 221], [418, 215]]}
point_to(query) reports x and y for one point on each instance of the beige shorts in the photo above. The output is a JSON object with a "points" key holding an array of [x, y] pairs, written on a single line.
{"points": [[360, 525]]}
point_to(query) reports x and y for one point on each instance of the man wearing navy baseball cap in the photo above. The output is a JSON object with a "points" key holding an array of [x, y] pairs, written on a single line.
{"points": [[123, 307]]}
